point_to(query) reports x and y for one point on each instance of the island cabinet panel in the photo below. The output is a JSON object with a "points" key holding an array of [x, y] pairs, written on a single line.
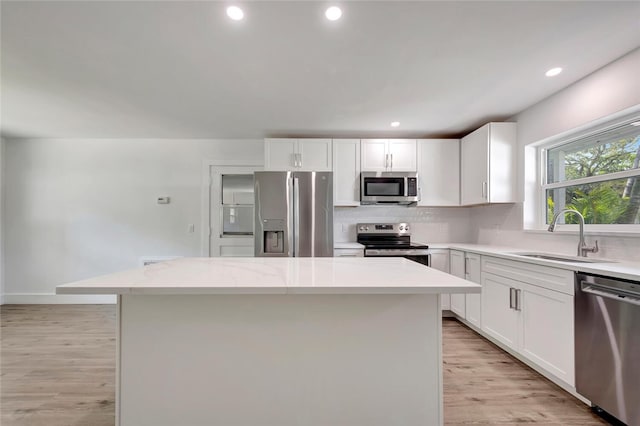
{"points": [[457, 266], [440, 261], [279, 359]]}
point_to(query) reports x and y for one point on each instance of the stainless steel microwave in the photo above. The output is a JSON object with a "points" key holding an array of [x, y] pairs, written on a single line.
{"points": [[389, 188]]}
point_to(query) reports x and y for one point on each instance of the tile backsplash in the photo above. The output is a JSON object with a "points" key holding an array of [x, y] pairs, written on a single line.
{"points": [[429, 225]]}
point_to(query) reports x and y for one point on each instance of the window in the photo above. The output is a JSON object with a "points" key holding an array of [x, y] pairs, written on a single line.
{"points": [[597, 174]]}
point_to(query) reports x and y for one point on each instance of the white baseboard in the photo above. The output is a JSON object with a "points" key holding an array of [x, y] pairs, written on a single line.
{"points": [[54, 299]]}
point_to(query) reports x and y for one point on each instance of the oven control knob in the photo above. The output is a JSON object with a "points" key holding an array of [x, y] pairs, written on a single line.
{"points": [[406, 228], [366, 228], [402, 227]]}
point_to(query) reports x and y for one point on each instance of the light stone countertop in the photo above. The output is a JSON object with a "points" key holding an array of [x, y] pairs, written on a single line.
{"points": [[618, 269], [261, 275]]}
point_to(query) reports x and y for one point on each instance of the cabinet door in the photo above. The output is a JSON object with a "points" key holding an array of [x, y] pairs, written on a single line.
{"points": [[439, 172], [440, 261], [279, 154], [374, 155], [346, 172], [315, 155], [473, 301], [456, 265], [547, 330], [499, 319], [475, 167], [402, 155], [352, 252]]}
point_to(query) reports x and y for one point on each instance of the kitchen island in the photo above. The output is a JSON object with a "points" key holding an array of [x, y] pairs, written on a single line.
{"points": [[278, 341]]}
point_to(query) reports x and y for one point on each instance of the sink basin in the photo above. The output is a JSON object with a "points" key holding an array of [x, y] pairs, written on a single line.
{"points": [[561, 258]]}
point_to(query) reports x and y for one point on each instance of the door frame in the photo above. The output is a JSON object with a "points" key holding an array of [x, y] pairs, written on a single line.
{"points": [[208, 166]]}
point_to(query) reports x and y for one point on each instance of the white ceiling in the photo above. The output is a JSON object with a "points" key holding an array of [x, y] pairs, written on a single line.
{"points": [[183, 69]]}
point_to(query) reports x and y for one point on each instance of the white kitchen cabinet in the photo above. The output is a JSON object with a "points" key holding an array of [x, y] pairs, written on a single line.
{"points": [[440, 261], [499, 317], [473, 301], [348, 252], [389, 155], [534, 321], [346, 172], [488, 165], [439, 172], [456, 265], [298, 154]]}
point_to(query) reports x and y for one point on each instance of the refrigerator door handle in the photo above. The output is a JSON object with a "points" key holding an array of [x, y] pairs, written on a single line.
{"points": [[296, 217]]}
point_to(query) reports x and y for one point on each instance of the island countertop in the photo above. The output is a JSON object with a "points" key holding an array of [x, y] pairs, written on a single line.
{"points": [[310, 275]]}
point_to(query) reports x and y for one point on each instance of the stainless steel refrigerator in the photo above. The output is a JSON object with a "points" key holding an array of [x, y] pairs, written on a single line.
{"points": [[294, 214]]}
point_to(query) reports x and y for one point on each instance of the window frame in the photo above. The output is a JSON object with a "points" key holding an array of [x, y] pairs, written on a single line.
{"points": [[542, 185]]}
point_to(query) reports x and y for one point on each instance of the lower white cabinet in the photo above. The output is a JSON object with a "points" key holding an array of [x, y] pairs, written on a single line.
{"points": [[534, 321], [472, 301], [457, 268], [440, 261], [348, 252]]}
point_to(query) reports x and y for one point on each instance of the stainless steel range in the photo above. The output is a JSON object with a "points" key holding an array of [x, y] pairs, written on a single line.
{"points": [[391, 240]]}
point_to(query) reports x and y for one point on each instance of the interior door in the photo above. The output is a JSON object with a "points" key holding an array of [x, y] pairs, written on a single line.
{"points": [[231, 212]]}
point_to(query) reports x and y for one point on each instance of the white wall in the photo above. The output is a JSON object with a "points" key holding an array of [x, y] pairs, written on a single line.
{"points": [[609, 90], [77, 208]]}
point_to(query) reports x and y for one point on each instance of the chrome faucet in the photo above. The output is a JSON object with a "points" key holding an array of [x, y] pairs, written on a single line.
{"points": [[583, 249]]}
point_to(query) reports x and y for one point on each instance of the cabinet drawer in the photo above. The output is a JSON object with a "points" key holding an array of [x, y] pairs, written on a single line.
{"points": [[352, 252], [542, 276]]}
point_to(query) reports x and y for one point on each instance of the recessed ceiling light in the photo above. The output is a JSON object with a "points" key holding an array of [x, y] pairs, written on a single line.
{"points": [[553, 71], [333, 13], [395, 123], [235, 13], [636, 123]]}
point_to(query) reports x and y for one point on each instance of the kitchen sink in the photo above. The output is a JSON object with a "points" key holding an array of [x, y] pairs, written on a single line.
{"points": [[561, 258]]}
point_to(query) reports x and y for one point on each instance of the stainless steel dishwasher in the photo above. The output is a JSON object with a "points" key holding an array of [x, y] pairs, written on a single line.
{"points": [[607, 337]]}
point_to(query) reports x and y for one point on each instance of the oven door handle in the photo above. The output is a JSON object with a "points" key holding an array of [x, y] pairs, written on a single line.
{"points": [[599, 291]]}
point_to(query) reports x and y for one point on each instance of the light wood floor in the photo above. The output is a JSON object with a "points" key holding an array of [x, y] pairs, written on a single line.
{"points": [[57, 368]]}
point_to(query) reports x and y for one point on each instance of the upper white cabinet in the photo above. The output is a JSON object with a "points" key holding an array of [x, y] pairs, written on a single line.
{"points": [[387, 155], [489, 165], [439, 172], [346, 172], [298, 155]]}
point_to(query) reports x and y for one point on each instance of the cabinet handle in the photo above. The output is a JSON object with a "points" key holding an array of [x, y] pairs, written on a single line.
{"points": [[518, 300], [465, 266], [484, 190], [299, 160], [295, 160], [391, 161], [386, 161], [512, 297]]}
